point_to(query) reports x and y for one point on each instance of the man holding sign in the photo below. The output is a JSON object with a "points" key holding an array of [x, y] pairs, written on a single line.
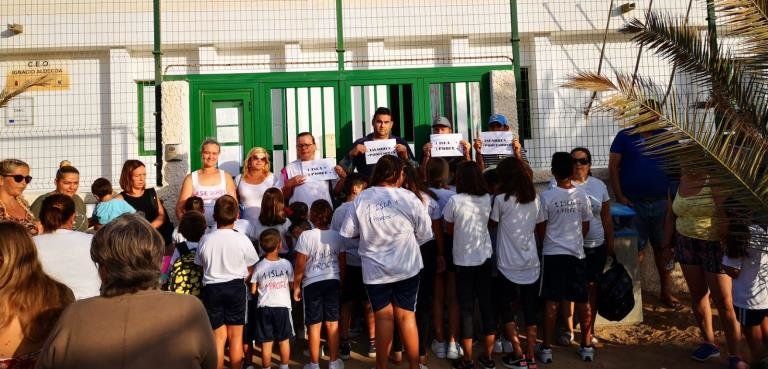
{"points": [[441, 128], [367, 150], [499, 142], [306, 179]]}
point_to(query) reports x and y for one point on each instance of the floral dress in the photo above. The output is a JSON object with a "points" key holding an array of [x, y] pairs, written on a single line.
{"points": [[28, 221]]}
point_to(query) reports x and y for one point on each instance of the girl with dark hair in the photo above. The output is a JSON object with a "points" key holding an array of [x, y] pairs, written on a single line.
{"points": [[513, 217], [67, 182], [444, 345], [466, 216], [392, 223], [272, 215], [66, 254]]}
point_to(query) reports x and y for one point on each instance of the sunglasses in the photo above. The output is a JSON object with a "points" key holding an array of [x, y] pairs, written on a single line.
{"points": [[19, 178], [262, 158], [581, 161]]}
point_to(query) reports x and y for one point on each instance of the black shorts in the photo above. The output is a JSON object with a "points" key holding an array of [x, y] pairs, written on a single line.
{"points": [[703, 253], [273, 324], [448, 253], [321, 301], [353, 289], [249, 331], [401, 293], [595, 262], [225, 302], [517, 298], [563, 278], [750, 318]]}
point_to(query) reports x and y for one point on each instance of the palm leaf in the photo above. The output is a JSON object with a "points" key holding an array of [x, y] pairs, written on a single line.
{"points": [[748, 20], [7, 94]]}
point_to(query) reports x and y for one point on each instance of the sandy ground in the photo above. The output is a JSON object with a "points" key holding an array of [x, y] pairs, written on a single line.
{"points": [[665, 339]]}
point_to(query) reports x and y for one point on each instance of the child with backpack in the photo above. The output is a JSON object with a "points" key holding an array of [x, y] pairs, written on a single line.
{"points": [[563, 224], [320, 262], [466, 217], [513, 219], [272, 280], [227, 258], [186, 277]]}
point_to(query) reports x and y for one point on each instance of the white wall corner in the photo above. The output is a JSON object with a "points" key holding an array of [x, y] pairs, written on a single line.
{"points": [[504, 96], [176, 123]]}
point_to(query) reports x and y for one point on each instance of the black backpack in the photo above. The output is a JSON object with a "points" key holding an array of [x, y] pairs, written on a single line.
{"points": [[185, 277], [615, 293]]}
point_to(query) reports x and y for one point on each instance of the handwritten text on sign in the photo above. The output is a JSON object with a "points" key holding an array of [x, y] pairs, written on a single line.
{"points": [[497, 143], [446, 144], [378, 148], [319, 170]]}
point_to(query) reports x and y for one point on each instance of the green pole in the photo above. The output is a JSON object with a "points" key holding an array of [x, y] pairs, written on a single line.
{"points": [[158, 56], [339, 36], [516, 54]]}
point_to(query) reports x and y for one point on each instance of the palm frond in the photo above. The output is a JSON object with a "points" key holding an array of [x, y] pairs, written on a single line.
{"points": [[687, 137], [748, 20], [7, 94]]}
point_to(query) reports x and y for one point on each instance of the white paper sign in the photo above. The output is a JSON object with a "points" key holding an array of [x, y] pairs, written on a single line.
{"points": [[227, 116], [319, 170], [497, 143], [230, 159], [378, 148], [446, 144]]}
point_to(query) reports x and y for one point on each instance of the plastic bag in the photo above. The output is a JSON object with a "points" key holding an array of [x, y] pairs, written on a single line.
{"points": [[615, 293]]}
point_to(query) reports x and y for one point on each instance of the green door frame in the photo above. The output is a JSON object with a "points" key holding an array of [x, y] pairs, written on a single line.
{"points": [[249, 134], [257, 85]]}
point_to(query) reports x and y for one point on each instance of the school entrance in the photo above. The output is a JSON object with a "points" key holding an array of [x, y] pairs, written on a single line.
{"points": [[268, 109]]}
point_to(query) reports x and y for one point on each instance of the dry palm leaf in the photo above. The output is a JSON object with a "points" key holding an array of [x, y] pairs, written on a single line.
{"points": [[7, 94]]}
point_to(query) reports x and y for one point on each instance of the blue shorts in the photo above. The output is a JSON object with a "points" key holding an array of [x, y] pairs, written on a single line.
{"points": [[749, 317], [649, 222], [321, 301], [225, 303], [401, 293], [273, 324]]}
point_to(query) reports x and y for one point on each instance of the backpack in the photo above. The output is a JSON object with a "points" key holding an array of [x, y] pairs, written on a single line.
{"points": [[615, 293], [185, 277]]}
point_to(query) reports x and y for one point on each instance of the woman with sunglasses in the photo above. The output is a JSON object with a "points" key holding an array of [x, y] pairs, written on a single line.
{"points": [[254, 181], [13, 207], [67, 182]]}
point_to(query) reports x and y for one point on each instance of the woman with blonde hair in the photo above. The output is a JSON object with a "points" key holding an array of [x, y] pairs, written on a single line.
{"points": [[13, 181], [30, 300], [254, 181]]}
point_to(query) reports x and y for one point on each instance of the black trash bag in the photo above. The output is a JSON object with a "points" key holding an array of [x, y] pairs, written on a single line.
{"points": [[615, 293]]}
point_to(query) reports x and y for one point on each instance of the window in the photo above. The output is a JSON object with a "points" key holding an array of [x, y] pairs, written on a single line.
{"points": [[146, 117]]}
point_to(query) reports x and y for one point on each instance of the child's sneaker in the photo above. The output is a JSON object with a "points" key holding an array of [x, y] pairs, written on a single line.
{"points": [[566, 339], [513, 361], [486, 362], [439, 349], [544, 353], [372, 348], [336, 364], [587, 353], [506, 346], [498, 347], [311, 366], [705, 351], [735, 362], [454, 351], [345, 350]]}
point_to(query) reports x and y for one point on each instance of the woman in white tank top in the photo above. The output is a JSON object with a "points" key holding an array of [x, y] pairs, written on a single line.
{"points": [[254, 181], [209, 183]]}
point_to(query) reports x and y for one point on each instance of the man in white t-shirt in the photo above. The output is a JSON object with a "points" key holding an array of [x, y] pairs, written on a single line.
{"points": [[563, 224], [320, 261], [295, 186], [273, 280], [227, 257]]}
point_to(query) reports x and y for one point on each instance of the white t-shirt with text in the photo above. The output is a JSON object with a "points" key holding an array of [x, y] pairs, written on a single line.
{"points": [[273, 279], [307, 192], [322, 248], [471, 238], [564, 210], [749, 290], [351, 245], [517, 258], [390, 223], [225, 254]]}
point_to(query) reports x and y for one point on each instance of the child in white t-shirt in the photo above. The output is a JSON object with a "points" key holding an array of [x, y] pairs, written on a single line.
{"points": [[516, 210], [320, 262], [272, 280], [747, 264], [466, 217], [227, 258], [273, 216], [563, 224]]}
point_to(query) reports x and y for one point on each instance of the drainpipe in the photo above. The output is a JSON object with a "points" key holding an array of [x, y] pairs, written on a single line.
{"points": [[158, 56], [712, 28], [339, 37], [516, 53]]}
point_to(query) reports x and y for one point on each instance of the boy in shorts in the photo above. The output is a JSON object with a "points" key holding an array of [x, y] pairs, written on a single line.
{"points": [[227, 258], [273, 280], [564, 220], [320, 261]]}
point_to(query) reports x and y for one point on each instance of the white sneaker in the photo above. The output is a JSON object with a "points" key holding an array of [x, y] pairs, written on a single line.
{"points": [[454, 351], [544, 354], [311, 366], [498, 346], [336, 364], [587, 353], [422, 366], [506, 346], [439, 349]]}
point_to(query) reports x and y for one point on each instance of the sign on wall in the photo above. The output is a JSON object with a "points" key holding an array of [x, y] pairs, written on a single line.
{"points": [[19, 112], [21, 73]]}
